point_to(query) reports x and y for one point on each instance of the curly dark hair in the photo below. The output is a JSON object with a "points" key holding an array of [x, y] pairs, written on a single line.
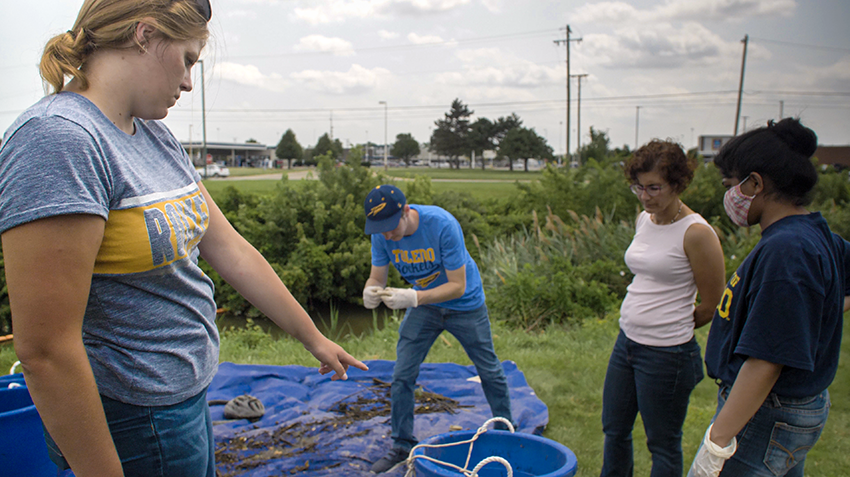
{"points": [[665, 156]]}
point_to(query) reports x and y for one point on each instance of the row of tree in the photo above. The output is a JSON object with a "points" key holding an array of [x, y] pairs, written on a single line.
{"points": [[455, 136]]}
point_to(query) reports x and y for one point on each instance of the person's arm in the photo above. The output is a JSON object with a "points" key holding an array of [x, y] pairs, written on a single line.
{"points": [[706, 258], [249, 273], [453, 288], [752, 385], [378, 276], [49, 265]]}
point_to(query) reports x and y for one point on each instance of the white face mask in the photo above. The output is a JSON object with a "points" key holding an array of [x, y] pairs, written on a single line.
{"points": [[737, 204]]}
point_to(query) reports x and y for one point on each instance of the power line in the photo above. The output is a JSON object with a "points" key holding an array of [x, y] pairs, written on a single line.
{"points": [[801, 45]]}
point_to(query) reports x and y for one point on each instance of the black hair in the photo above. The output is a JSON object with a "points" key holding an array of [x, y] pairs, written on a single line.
{"points": [[780, 151]]}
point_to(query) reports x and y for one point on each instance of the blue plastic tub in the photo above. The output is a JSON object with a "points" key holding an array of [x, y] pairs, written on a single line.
{"points": [[23, 452], [529, 455]]}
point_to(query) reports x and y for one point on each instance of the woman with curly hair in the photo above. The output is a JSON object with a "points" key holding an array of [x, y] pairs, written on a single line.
{"points": [[656, 363]]}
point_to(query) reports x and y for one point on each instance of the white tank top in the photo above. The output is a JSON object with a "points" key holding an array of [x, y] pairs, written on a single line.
{"points": [[658, 309]]}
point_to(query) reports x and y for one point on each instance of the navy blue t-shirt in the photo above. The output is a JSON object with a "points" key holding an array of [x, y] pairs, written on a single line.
{"points": [[784, 305]]}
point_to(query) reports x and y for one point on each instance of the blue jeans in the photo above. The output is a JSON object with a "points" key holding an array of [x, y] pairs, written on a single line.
{"points": [[418, 331], [157, 441], [657, 382], [778, 437]]}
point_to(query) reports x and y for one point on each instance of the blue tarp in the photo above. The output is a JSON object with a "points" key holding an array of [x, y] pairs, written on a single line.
{"points": [[303, 431]]}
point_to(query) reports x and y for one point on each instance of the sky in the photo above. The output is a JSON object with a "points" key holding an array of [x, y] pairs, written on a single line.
{"points": [[654, 68]]}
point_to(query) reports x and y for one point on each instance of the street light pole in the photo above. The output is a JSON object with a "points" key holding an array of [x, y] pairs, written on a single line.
{"points": [[203, 120], [386, 166]]}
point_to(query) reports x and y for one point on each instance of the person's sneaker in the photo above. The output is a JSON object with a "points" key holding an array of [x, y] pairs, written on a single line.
{"points": [[390, 461]]}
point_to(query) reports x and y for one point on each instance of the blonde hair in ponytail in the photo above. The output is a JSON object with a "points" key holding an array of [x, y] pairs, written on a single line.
{"points": [[111, 24]]}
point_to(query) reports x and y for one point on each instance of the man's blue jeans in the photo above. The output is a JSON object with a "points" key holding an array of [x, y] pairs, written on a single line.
{"points": [[777, 438], [418, 331], [157, 441], [657, 382]]}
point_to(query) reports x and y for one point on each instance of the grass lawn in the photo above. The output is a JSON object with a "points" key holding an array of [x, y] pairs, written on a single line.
{"points": [[258, 171], [465, 174], [479, 190], [566, 368]]}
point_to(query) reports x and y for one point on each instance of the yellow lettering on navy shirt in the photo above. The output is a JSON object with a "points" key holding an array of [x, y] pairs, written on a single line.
{"points": [[144, 237], [726, 300]]}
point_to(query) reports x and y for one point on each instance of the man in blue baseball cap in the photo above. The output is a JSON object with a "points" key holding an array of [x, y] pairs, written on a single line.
{"points": [[425, 244]]}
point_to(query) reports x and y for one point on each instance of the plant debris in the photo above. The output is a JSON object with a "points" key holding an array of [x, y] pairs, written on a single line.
{"points": [[250, 449]]}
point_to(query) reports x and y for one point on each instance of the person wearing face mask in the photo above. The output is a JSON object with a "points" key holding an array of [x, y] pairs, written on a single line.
{"points": [[103, 219], [656, 363], [775, 338], [425, 244]]}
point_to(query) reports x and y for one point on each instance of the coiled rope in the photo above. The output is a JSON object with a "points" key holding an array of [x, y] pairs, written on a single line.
{"points": [[465, 469]]}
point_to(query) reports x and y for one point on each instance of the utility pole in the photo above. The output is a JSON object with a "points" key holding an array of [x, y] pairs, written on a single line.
{"points": [[781, 110], [637, 125], [745, 41], [332, 125], [566, 42], [578, 118]]}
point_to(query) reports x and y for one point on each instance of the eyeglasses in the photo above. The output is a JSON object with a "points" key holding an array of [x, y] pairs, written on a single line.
{"points": [[204, 8], [651, 191]]}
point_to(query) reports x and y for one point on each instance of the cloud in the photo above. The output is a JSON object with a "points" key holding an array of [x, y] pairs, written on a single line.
{"points": [[387, 35], [620, 12], [337, 46], [250, 75], [419, 40], [316, 12], [662, 46], [489, 67], [249, 14], [356, 80]]}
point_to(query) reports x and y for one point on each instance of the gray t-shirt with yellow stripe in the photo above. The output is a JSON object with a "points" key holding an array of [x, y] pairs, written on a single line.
{"points": [[149, 327]]}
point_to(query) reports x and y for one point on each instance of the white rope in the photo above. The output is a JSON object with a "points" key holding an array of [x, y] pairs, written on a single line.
{"points": [[12, 371], [465, 469]]}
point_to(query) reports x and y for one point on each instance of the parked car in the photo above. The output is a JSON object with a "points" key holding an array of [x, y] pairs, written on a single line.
{"points": [[213, 170]]}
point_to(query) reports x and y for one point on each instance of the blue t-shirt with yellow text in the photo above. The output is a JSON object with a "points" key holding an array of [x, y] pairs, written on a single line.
{"points": [[423, 257]]}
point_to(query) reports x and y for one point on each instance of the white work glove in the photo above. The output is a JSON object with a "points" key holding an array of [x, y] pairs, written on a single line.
{"points": [[711, 457], [372, 297], [399, 298]]}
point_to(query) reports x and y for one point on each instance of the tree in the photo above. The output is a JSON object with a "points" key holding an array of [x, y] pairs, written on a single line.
{"points": [[326, 146], [452, 133], [251, 141], [405, 148], [288, 148], [481, 138], [522, 143]]}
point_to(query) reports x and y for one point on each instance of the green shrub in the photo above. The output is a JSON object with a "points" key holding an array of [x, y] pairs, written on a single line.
{"points": [[557, 273]]}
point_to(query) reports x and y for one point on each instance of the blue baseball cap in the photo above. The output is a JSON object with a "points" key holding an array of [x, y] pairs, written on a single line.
{"points": [[383, 207]]}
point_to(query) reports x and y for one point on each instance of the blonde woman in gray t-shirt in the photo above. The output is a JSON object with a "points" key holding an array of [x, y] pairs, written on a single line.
{"points": [[656, 363], [103, 219]]}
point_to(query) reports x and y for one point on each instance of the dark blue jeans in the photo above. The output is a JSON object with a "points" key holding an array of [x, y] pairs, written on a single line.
{"points": [[777, 438], [418, 331], [657, 382], [157, 441]]}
